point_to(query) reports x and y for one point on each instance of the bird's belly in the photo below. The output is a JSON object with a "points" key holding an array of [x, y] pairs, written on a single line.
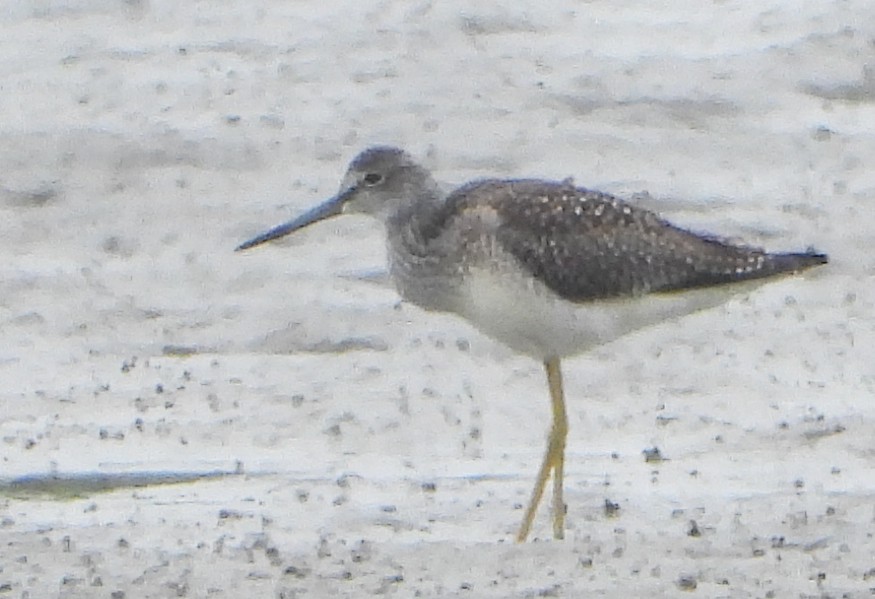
{"points": [[526, 316]]}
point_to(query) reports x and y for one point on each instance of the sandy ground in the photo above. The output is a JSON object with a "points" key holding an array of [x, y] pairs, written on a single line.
{"points": [[326, 440]]}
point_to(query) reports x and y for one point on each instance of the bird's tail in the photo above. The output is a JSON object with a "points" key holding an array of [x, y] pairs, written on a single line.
{"points": [[796, 261]]}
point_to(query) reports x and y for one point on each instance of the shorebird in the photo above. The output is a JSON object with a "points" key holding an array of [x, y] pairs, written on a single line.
{"points": [[545, 267]]}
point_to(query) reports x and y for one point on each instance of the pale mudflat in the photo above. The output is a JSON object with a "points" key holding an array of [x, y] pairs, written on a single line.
{"points": [[327, 441]]}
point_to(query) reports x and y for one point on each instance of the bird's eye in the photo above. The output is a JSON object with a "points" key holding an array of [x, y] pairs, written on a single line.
{"points": [[373, 178]]}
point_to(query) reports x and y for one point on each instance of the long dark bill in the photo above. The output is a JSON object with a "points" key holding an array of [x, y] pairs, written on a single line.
{"points": [[327, 209]]}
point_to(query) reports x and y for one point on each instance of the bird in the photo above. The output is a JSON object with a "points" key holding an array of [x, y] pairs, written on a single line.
{"points": [[545, 267]]}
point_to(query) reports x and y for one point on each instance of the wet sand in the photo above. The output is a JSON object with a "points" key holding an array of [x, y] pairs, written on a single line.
{"points": [[180, 420]]}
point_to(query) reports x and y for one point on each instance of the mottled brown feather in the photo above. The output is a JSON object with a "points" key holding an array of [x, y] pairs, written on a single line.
{"points": [[588, 245]]}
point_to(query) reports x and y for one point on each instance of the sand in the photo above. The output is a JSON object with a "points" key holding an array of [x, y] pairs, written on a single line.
{"points": [[177, 420]]}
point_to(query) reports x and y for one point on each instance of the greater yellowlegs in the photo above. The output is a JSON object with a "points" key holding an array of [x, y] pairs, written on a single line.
{"points": [[547, 268]]}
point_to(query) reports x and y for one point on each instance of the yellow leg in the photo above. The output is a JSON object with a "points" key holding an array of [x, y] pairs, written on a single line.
{"points": [[554, 458]]}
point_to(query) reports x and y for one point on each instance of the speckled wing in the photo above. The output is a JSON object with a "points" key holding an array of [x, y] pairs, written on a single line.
{"points": [[587, 245]]}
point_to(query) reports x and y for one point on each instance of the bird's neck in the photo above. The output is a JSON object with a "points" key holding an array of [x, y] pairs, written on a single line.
{"points": [[417, 219], [420, 264]]}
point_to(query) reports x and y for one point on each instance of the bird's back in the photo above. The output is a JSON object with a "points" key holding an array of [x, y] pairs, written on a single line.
{"points": [[586, 245]]}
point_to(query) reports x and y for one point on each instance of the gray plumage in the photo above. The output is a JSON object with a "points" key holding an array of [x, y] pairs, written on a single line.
{"points": [[588, 245], [545, 267], [527, 245]]}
